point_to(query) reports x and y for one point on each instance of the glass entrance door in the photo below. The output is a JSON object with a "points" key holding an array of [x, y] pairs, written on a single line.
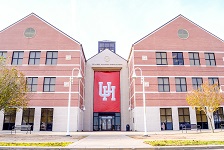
{"points": [[106, 123]]}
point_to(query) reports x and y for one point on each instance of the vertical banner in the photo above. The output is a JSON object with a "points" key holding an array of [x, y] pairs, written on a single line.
{"points": [[106, 91]]}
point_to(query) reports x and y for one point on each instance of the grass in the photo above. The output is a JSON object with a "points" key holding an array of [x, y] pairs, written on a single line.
{"points": [[43, 144], [182, 142]]}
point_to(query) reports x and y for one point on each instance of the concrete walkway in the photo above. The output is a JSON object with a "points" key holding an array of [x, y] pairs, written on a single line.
{"points": [[112, 140], [109, 140]]}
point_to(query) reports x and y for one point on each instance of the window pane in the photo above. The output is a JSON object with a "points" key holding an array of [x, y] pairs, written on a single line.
{"points": [[186, 111], [197, 62], [164, 62], [160, 88], [158, 61], [34, 88], [54, 61], [158, 55], [20, 61], [177, 80], [187, 118], [180, 111], [181, 118], [31, 61], [37, 61], [48, 61], [52, 88], [165, 80], [206, 56], [178, 89], [166, 88], [162, 111], [163, 55], [49, 54], [46, 80], [46, 88], [35, 80], [55, 55], [53, 80], [169, 119], [168, 111], [160, 80]]}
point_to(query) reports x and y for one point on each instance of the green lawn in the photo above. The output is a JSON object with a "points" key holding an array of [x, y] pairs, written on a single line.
{"points": [[183, 142], [42, 144]]}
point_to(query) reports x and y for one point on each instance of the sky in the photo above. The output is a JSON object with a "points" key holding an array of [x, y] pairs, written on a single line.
{"points": [[122, 21]]}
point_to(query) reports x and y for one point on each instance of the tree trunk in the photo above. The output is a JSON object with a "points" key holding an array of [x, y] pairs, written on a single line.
{"points": [[209, 116]]}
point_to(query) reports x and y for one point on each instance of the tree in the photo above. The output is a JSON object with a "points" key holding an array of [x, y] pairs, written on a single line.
{"points": [[13, 89], [207, 98]]}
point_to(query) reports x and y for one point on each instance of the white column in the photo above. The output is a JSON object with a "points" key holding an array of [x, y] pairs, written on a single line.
{"points": [[19, 116], [192, 115], [175, 118], [36, 124]]}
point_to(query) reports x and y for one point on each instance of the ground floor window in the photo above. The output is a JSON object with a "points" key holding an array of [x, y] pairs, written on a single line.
{"points": [[218, 118], [9, 119], [184, 117], [202, 119], [28, 116], [46, 119], [166, 119], [106, 121]]}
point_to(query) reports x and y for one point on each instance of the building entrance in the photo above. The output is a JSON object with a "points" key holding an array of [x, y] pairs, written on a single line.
{"points": [[106, 121]]}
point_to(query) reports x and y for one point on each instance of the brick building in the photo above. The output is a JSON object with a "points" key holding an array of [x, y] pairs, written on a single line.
{"points": [[174, 59]]}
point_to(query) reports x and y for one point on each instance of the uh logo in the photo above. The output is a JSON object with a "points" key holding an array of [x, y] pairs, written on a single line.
{"points": [[106, 91]]}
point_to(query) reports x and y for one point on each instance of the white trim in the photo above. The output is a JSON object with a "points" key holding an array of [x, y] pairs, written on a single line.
{"points": [[44, 65], [47, 23], [199, 51], [177, 65], [180, 76], [38, 92], [162, 92], [39, 50], [164, 25]]}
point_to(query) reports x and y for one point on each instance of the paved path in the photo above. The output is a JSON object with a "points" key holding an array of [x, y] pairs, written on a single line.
{"points": [[108, 140]]}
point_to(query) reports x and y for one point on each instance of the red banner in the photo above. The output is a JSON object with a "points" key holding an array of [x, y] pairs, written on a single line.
{"points": [[107, 91]]}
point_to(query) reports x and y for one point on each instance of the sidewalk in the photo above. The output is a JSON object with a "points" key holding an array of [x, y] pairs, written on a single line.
{"points": [[111, 140]]}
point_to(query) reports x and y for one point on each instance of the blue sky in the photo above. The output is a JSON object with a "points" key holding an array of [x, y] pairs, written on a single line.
{"points": [[123, 21]]}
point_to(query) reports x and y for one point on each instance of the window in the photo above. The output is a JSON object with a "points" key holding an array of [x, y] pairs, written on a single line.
{"points": [[46, 119], [181, 85], [34, 58], [51, 58], [213, 80], [3, 54], [194, 59], [183, 33], [218, 117], [49, 84], [210, 59], [197, 82], [9, 119], [32, 83], [166, 119], [28, 116], [161, 58], [184, 117], [163, 84], [201, 119], [102, 45], [178, 58], [17, 58]]}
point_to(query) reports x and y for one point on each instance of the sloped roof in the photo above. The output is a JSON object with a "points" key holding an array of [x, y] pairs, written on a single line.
{"points": [[180, 15], [33, 14], [106, 50]]}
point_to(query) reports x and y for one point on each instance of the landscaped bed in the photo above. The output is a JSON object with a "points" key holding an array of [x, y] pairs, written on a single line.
{"points": [[182, 142], [37, 144]]}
